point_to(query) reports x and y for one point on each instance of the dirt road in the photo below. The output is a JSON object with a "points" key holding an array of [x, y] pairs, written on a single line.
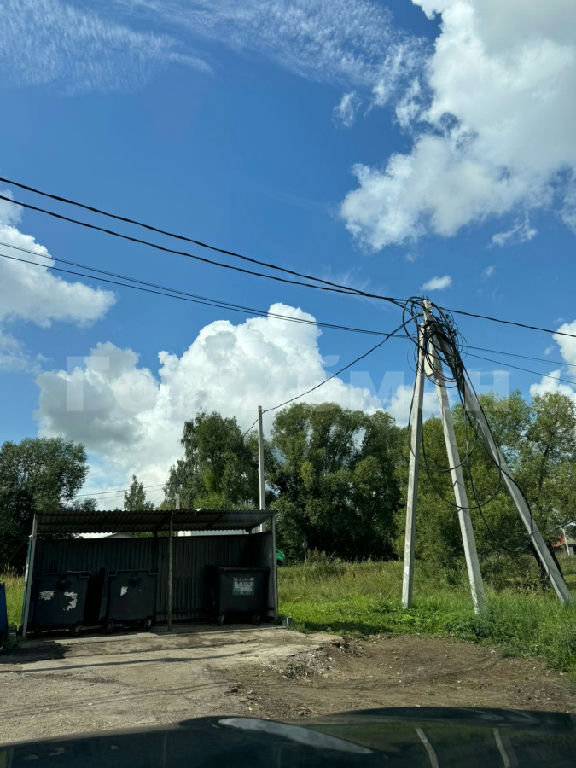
{"points": [[68, 686]]}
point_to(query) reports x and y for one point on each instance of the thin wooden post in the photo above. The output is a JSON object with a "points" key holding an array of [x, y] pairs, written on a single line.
{"points": [[411, 499], [457, 476], [473, 406], [29, 575]]}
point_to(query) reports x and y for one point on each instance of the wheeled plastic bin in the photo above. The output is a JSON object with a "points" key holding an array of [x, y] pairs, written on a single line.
{"points": [[237, 592], [58, 601], [129, 598]]}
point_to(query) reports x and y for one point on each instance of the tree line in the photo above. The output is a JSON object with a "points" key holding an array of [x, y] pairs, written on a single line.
{"points": [[337, 480]]}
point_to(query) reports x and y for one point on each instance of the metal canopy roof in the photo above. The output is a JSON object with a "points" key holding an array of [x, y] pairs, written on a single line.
{"points": [[119, 520]]}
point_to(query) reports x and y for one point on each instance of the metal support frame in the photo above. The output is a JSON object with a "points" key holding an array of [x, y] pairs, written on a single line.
{"points": [[170, 585], [29, 575], [412, 495]]}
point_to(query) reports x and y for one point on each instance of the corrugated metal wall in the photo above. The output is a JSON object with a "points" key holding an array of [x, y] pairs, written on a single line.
{"points": [[191, 556]]}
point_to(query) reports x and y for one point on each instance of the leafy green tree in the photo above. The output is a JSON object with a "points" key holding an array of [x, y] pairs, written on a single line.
{"points": [[35, 474], [548, 454], [219, 469], [335, 480], [135, 499]]}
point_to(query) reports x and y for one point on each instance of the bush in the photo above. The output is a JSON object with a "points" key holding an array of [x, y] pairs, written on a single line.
{"points": [[503, 570], [319, 565]]}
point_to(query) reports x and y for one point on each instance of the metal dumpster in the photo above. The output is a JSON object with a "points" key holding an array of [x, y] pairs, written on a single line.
{"points": [[238, 592], [58, 601], [129, 597]]}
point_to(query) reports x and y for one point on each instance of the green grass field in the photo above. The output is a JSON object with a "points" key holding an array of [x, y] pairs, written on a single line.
{"points": [[14, 595], [364, 599]]}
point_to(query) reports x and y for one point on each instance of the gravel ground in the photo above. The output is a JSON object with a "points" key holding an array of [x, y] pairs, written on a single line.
{"points": [[57, 687]]}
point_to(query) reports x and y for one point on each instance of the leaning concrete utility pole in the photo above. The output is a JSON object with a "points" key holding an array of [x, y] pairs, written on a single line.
{"points": [[474, 408]]}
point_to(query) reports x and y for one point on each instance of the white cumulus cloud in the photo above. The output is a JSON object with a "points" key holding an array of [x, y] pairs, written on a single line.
{"points": [[567, 346], [437, 283], [133, 417], [401, 401], [493, 125], [35, 294]]}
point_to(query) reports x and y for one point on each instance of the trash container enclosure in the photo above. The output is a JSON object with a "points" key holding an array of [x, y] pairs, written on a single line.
{"points": [[226, 538], [237, 590], [58, 600], [130, 596]]}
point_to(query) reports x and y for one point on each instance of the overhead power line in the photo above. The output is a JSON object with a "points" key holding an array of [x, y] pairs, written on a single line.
{"points": [[526, 370], [148, 243], [167, 233], [116, 492], [546, 360], [173, 293], [504, 322], [325, 285]]}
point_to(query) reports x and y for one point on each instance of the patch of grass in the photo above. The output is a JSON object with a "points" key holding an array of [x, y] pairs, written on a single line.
{"points": [[364, 598], [14, 595]]}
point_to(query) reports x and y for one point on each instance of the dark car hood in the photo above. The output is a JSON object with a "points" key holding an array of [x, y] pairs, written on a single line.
{"points": [[390, 737]]}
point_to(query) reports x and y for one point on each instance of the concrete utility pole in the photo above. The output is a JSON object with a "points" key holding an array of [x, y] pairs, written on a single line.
{"points": [[415, 438], [437, 344], [457, 475]]}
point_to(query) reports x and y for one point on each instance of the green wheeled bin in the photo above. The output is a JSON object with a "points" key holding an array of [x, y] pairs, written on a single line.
{"points": [[237, 592]]}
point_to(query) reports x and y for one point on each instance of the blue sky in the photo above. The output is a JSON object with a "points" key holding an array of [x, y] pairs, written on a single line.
{"points": [[379, 145]]}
